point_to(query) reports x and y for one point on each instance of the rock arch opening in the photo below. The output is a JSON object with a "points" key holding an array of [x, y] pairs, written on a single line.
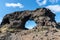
{"points": [[30, 24]]}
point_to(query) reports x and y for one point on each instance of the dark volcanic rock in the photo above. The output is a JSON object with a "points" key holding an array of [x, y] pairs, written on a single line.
{"points": [[42, 16], [59, 23], [44, 19]]}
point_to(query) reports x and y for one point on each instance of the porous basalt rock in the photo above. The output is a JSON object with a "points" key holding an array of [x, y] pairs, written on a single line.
{"points": [[42, 17]]}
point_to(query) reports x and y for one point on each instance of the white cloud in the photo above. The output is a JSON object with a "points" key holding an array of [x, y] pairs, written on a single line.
{"points": [[54, 8], [53, 1], [41, 3], [29, 27], [14, 5]]}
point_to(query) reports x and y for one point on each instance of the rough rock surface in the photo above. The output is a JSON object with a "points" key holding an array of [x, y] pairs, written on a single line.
{"points": [[42, 17], [44, 30], [59, 23], [34, 34]]}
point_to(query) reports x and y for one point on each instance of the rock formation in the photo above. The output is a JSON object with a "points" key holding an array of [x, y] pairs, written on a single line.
{"points": [[44, 30], [42, 17]]}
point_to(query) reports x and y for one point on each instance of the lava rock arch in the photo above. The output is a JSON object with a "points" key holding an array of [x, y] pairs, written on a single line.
{"points": [[42, 17]]}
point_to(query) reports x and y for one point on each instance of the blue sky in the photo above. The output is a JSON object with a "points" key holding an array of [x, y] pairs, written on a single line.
{"points": [[9, 6]]}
